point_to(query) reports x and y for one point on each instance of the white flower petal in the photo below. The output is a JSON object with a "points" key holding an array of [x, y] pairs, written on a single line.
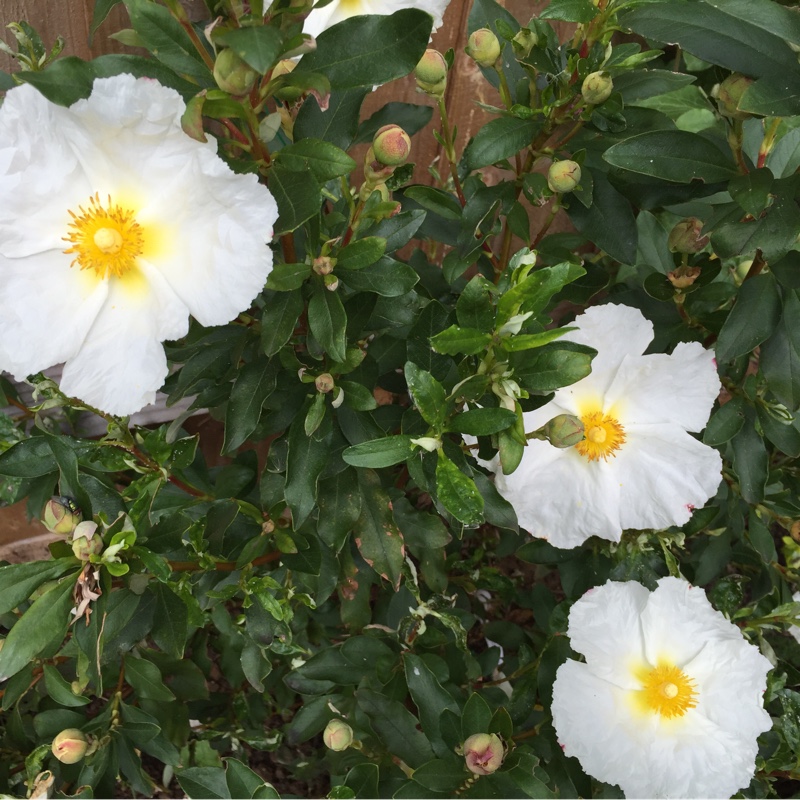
{"points": [[46, 309], [321, 19], [604, 626], [664, 474], [121, 363], [679, 389], [560, 496]]}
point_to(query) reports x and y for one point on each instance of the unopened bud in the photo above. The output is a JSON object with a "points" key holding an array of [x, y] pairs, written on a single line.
{"points": [[564, 430], [70, 746], [61, 515], [374, 171], [484, 753], [331, 282], [431, 73], [597, 88], [86, 541], [232, 74], [368, 188], [286, 93], [483, 47], [323, 265], [524, 42], [729, 95], [564, 176], [391, 145], [686, 236], [324, 383], [338, 735]]}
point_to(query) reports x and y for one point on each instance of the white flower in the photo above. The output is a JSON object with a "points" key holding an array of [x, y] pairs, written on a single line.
{"points": [[116, 226], [637, 467], [795, 629], [669, 701], [323, 18]]}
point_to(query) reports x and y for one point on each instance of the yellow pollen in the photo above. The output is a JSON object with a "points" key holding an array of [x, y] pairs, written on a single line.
{"points": [[604, 436], [666, 690], [106, 238]]}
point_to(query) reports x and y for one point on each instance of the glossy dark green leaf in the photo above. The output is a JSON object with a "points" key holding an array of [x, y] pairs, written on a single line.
{"points": [[244, 783], [363, 780], [388, 278], [339, 504], [552, 367], [100, 12], [499, 139], [430, 698], [258, 45], [420, 530], [476, 717], [643, 83], [725, 423], [145, 677], [427, 393], [455, 340], [753, 318], [436, 201], [483, 421], [780, 354], [288, 277], [338, 124], [170, 621], [254, 382], [297, 195], [570, 11], [204, 782], [378, 453], [474, 305], [361, 253], [19, 581], [328, 322], [774, 96], [443, 776], [324, 160], [278, 320], [457, 492], [750, 461], [752, 191], [60, 690], [409, 116], [399, 230], [306, 459]]}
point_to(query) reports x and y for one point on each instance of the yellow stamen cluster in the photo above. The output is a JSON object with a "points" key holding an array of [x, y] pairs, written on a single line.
{"points": [[106, 239], [604, 436], [667, 690]]}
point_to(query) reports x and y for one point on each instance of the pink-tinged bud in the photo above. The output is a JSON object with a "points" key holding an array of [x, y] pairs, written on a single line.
{"points": [[564, 176], [70, 746], [564, 431], [86, 541], [729, 95], [484, 753], [431, 73], [324, 383], [323, 265], [232, 74], [483, 47], [61, 515], [391, 145], [597, 88], [338, 735], [687, 237], [683, 277]]}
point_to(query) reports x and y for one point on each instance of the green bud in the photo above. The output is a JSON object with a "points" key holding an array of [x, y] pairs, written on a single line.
{"points": [[86, 542], [70, 746], [338, 735], [367, 188], [331, 282], [563, 431], [564, 176], [324, 383], [686, 236], [483, 47], [597, 88], [431, 73], [287, 93], [232, 74], [484, 753], [61, 515], [524, 42], [392, 146], [729, 95]]}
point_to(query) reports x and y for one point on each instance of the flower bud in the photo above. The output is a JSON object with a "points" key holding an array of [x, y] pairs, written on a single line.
{"points": [[86, 541], [524, 42], [729, 95], [564, 176], [686, 236], [431, 73], [684, 277], [232, 74], [323, 265], [484, 753], [563, 431], [391, 146], [597, 88], [338, 735], [286, 93], [483, 47], [61, 515], [324, 383], [331, 282], [368, 188], [70, 746]]}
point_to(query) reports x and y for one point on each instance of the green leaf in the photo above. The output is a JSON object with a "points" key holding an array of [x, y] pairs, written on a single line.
{"points": [[499, 139], [337, 124], [752, 320], [170, 621], [99, 14], [474, 305], [297, 195], [570, 11], [752, 191], [306, 459], [457, 492], [409, 116], [780, 354], [643, 83], [244, 783], [166, 39], [420, 530], [725, 423], [763, 14], [328, 322], [254, 382], [376, 535], [388, 278], [430, 698], [427, 393], [145, 678], [530, 341], [361, 253], [324, 160], [477, 716], [278, 320], [552, 367], [772, 97], [676, 156], [455, 340], [442, 775], [364, 51], [483, 421], [207, 783], [19, 581], [60, 690], [363, 780], [339, 504], [378, 453], [399, 230], [258, 45], [750, 461], [44, 623], [437, 201], [288, 277]]}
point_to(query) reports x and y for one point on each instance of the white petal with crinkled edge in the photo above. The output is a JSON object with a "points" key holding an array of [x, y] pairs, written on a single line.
{"points": [[46, 310], [121, 363], [678, 621], [321, 19], [560, 496], [663, 474], [679, 389], [604, 627]]}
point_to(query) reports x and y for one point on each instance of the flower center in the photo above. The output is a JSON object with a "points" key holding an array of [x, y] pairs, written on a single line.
{"points": [[668, 691], [604, 436], [106, 239]]}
